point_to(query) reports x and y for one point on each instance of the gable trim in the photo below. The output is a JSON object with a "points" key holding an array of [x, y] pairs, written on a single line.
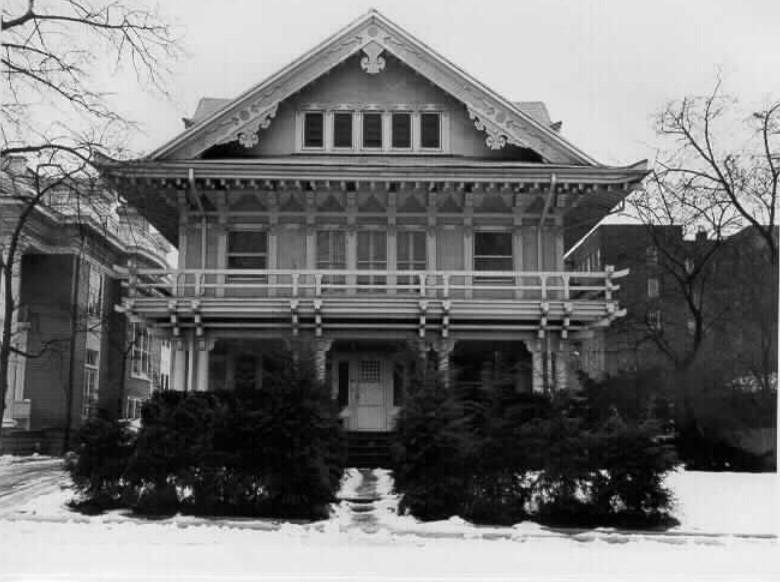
{"points": [[501, 120]]}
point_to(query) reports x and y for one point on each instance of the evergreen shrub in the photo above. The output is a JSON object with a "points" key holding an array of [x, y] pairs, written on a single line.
{"points": [[275, 452], [98, 469], [494, 456]]}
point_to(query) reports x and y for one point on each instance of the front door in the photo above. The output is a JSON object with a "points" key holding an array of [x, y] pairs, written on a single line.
{"points": [[370, 394]]}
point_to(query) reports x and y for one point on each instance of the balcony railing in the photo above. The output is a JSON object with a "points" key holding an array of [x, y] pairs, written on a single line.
{"points": [[289, 283]]}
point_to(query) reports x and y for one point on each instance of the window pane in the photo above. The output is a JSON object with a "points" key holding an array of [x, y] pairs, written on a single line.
{"points": [[430, 130], [493, 244], [312, 130], [372, 130], [402, 130], [342, 130], [247, 241]]}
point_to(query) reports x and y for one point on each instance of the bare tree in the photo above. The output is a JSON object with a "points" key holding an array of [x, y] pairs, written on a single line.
{"points": [[723, 163], [58, 114], [719, 175]]}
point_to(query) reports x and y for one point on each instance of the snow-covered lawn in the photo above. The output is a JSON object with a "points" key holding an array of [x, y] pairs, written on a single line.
{"points": [[41, 539]]}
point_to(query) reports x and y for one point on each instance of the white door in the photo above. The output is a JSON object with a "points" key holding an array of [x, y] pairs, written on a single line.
{"points": [[371, 394]]}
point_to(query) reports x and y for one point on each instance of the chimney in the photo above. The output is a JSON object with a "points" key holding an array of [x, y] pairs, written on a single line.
{"points": [[701, 235]]}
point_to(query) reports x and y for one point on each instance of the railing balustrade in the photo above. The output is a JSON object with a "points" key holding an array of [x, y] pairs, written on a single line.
{"points": [[288, 283]]}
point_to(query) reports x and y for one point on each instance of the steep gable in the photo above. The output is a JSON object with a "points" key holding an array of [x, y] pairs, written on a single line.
{"points": [[373, 40]]}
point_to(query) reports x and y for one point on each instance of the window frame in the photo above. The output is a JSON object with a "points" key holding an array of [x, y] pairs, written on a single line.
{"points": [[351, 115], [653, 287], [477, 257], [95, 286], [440, 117], [90, 383], [372, 113], [393, 115], [140, 354], [323, 116], [246, 254]]}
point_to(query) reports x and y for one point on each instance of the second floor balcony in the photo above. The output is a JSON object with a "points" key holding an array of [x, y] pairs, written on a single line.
{"points": [[421, 301]]}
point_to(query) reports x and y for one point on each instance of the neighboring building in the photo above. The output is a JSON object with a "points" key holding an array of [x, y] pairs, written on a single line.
{"points": [[81, 354], [737, 290], [368, 198]]}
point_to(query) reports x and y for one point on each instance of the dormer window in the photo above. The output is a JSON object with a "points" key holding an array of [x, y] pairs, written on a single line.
{"points": [[372, 130], [314, 130]]}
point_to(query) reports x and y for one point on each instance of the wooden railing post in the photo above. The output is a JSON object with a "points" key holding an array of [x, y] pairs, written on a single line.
{"points": [[295, 284], [543, 281], [422, 284], [317, 284], [446, 282], [608, 291]]}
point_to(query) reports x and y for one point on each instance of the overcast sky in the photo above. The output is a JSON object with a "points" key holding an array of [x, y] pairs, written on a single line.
{"points": [[604, 67]]}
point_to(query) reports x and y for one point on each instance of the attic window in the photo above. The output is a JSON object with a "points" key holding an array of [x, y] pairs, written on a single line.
{"points": [[313, 130], [402, 130], [430, 130], [342, 130], [372, 130]]}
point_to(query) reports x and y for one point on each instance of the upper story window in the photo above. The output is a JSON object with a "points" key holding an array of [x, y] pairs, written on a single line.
{"points": [[653, 287], [372, 130], [492, 251], [140, 355], [430, 131], [247, 249], [314, 129], [651, 255], [95, 293]]}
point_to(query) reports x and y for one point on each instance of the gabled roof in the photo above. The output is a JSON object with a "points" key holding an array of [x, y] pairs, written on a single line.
{"points": [[372, 34]]}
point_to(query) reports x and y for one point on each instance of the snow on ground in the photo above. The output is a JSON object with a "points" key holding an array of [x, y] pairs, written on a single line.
{"points": [[42, 538], [726, 502]]}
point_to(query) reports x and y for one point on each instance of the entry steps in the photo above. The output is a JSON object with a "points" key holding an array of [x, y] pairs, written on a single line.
{"points": [[368, 450]]}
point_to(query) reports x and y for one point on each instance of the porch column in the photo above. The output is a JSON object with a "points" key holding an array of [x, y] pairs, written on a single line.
{"points": [[321, 357], [179, 365], [444, 348], [537, 365], [561, 365], [202, 375]]}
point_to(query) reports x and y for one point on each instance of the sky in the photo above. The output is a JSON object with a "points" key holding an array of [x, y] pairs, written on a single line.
{"points": [[603, 67]]}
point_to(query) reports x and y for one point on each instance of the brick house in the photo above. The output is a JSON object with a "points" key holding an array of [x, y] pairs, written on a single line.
{"points": [[83, 355]]}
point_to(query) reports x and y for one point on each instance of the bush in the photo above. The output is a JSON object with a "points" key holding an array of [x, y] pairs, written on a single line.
{"points": [[493, 456], [103, 449], [274, 452]]}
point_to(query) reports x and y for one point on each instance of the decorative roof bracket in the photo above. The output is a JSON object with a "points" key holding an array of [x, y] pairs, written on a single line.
{"points": [[496, 137], [248, 133]]}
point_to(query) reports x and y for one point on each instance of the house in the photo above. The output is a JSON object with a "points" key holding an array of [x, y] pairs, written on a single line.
{"points": [[369, 199], [729, 280], [73, 354]]}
